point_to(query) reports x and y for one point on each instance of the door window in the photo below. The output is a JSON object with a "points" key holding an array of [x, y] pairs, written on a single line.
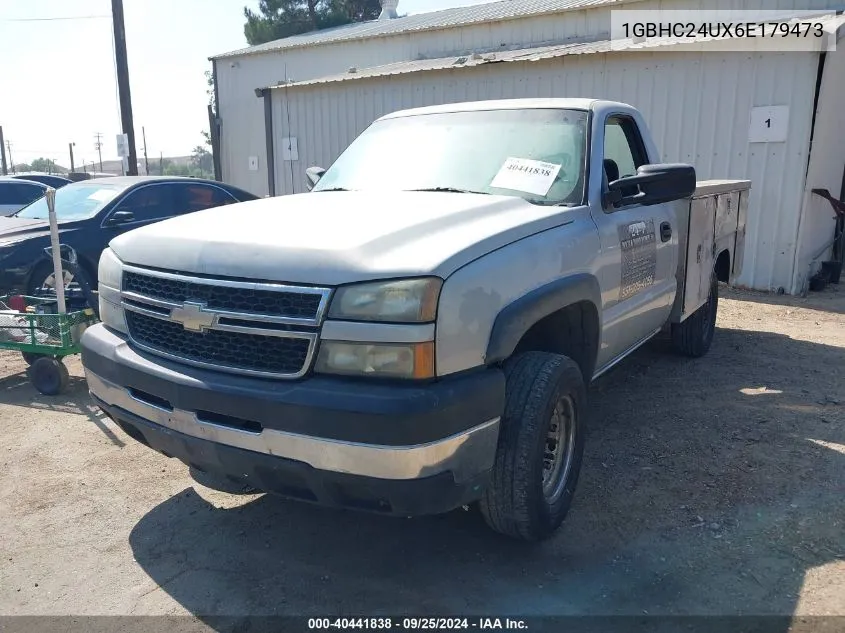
{"points": [[152, 202], [623, 150], [198, 197], [19, 193]]}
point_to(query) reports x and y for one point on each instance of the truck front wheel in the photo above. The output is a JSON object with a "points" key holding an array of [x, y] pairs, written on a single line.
{"points": [[694, 336], [540, 448]]}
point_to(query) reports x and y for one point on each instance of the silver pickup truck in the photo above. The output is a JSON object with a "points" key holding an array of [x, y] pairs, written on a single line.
{"points": [[418, 331]]}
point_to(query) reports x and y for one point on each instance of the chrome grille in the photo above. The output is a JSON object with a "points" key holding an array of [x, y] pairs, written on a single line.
{"points": [[252, 328], [232, 350], [295, 304]]}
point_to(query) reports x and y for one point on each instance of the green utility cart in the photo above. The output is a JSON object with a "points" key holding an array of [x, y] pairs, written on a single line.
{"points": [[32, 326]]}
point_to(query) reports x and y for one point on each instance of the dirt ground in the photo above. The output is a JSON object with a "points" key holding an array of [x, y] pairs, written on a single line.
{"points": [[711, 486]]}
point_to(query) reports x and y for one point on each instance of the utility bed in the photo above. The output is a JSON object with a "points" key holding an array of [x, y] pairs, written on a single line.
{"points": [[714, 222]]}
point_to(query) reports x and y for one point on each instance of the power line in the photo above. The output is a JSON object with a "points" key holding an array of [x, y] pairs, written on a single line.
{"points": [[122, 70], [72, 17], [3, 168], [99, 147], [146, 161], [29, 150], [11, 160]]}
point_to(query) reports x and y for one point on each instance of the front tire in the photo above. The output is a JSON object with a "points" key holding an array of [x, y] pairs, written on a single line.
{"points": [[694, 336], [43, 279], [540, 448]]}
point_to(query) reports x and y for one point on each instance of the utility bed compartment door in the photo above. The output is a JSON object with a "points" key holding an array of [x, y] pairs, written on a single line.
{"points": [[699, 252], [727, 211], [710, 222]]}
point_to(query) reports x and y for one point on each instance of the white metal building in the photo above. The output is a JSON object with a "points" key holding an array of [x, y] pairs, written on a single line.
{"points": [[297, 102]]}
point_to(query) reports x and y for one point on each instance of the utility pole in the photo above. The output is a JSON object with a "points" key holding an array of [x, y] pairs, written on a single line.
{"points": [[3, 168], [9, 147], [99, 147], [161, 164], [146, 161], [70, 147], [123, 83]]}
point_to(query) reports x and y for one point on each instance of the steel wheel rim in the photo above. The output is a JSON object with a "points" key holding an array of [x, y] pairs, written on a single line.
{"points": [[49, 282], [559, 449]]}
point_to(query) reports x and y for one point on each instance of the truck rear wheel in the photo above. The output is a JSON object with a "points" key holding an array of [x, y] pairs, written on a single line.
{"points": [[541, 445], [694, 336]]}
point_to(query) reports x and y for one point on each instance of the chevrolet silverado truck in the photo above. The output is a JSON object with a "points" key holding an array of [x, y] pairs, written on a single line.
{"points": [[417, 331]]}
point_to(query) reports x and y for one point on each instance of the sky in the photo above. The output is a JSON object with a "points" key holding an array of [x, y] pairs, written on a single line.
{"points": [[57, 75]]}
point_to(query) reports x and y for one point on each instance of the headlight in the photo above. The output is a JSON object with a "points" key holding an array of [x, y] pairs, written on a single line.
{"points": [[110, 273], [400, 301], [386, 360], [110, 270]]}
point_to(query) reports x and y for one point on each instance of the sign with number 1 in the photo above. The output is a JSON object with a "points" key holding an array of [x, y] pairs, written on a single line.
{"points": [[768, 124]]}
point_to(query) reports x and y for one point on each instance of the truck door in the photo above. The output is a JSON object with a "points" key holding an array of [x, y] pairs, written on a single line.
{"points": [[639, 253]]}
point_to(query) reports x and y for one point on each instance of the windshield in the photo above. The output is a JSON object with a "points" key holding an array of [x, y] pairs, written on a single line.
{"points": [[73, 202], [535, 154]]}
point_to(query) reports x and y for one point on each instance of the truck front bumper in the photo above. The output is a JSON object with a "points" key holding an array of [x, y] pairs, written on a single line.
{"points": [[396, 448]]}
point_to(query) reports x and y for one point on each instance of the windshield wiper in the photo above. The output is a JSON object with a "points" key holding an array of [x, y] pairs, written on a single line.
{"points": [[332, 189], [450, 190]]}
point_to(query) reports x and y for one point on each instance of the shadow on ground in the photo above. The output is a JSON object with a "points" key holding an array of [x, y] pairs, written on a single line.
{"points": [[16, 390], [827, 300], [709, 487]]}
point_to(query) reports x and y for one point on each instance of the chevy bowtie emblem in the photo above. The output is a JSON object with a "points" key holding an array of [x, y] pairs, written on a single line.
{"points": [[193, 316]]}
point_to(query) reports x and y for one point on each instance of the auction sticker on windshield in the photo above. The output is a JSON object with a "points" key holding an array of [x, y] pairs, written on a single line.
{"points": [[524, 174], [102, 195]]}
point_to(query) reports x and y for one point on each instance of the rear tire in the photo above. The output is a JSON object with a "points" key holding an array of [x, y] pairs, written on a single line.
{"points": [[49, 375], [540, 448], [694, 336]]}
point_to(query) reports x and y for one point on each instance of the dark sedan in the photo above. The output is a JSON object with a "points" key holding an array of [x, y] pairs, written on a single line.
{"points": [[16, 194], [90, 214], [51, 180]]}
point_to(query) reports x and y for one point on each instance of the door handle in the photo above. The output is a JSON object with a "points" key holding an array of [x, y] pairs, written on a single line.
{"points": [[665, 231]]}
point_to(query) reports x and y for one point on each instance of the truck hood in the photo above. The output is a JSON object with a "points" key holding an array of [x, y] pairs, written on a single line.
{"points": [[331, 238]]}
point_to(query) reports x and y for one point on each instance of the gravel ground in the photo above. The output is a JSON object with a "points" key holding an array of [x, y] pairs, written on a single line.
{"points": [[711, 486]]}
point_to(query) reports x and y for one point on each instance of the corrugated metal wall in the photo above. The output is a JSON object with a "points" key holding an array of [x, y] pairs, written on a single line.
{"points": [[826, 171], [242, 114], [242, 129], [697, 106]]}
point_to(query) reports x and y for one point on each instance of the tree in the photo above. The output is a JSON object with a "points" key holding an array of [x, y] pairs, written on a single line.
{"points": [[22, 167], [174, 169], [212, 101], [202, 160], [283, 18], [161, 166], [44, 164], [209, 89]]}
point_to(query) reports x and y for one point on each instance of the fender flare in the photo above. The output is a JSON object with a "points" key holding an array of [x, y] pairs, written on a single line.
{"points": [[516, 318]]}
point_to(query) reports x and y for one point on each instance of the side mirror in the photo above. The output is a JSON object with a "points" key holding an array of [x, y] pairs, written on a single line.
{"points": [[657, 183], [120, 217], [313, 175]]}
